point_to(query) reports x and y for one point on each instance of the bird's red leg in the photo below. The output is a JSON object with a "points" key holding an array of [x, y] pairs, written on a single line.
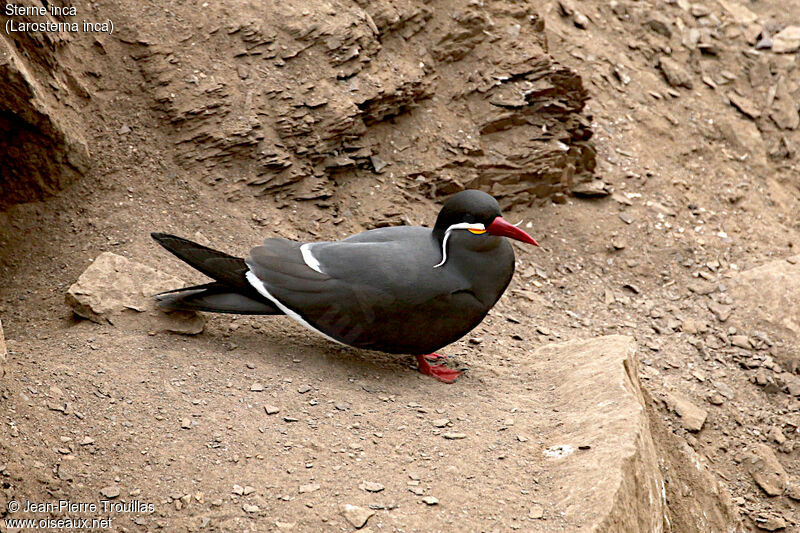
{"points": [[436, 358], [440, 372]]}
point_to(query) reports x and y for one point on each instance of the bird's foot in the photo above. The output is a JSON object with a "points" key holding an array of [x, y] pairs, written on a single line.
{"points": [[436, 358], [440, 372]]}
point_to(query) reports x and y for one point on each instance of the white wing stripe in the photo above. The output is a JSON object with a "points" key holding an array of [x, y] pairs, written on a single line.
{"points": [[262, 289], [460, 225], [309, 258]]}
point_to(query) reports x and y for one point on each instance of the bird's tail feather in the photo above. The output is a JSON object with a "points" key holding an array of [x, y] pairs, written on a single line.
{"points": [[214, 264], [215, 298], [230, 293]]}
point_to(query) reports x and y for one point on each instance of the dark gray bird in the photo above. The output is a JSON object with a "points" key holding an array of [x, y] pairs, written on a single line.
{"points": [[403, 290]]}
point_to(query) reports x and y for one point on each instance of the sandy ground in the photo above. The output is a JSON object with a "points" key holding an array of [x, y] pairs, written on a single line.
{"points": [[179, 421]]}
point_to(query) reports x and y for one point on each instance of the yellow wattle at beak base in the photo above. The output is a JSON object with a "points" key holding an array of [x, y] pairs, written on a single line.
{"points": [[477, 231]]}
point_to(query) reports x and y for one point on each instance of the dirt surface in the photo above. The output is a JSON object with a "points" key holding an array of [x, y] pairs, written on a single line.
{"points": [[695, 132]]}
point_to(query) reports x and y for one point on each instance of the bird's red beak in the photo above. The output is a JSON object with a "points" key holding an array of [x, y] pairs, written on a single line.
{"points": [[502, 228]]}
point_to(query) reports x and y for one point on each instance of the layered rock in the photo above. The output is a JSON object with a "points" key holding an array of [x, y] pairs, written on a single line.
{"points": [[439, 97]]}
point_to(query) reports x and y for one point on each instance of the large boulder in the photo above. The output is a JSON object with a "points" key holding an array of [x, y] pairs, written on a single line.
{"points": [[619, 465], [614, 485], [115, 290]]}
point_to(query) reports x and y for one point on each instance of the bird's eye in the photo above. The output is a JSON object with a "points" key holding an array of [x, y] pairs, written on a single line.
{"points": [[477, 231]]}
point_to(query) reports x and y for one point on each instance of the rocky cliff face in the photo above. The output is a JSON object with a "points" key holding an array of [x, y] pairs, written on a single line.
{"points": [[271, 97], [42, 148], [295, 97]]}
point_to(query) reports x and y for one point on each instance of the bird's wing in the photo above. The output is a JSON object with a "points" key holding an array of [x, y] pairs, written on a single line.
{"points": [[345, 290], [336, 305]]}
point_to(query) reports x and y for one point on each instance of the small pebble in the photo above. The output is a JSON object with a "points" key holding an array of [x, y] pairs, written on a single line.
{"points": [[370, 486], [626, 218], [309, 488], [110, 492], [357, 516]]}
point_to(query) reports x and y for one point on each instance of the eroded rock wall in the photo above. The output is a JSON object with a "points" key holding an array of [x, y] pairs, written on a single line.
{"points": [[437, 95], [42, 148]]}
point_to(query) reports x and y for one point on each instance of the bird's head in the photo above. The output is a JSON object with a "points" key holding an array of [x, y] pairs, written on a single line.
{"points": [[478, 213]]}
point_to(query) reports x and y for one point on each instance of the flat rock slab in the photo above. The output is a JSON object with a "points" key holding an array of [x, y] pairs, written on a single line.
{"points": [[692, 416], [740, 14], [769, 295], [675, 74], [766, 470], [115, 290], [787, 40], [607, 467], [355, 515]]}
